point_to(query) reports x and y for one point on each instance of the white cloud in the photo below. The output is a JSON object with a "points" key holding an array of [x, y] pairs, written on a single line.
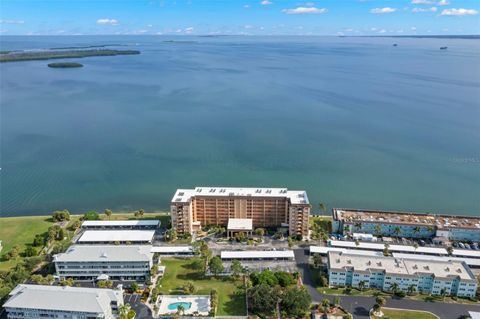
{"points": [[373, 29], [422, 2], [12, 22], [266, 2], [383, 10], [247, 6], [382, 31], [459, 12], [189, 30], [443, 3], [248, 26], [306, 10], [432, 9], [107, 21]]}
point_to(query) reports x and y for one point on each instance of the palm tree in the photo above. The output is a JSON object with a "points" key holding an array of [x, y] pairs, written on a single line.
{"points": [[322, 207], [415, 246], [411, 289], [381, 301], [394, 287], [180, 310], [416, 230], [124, 310], [108, 213], [443, 293], [430, 228], [397, 231], [346, 228], [376, 308], [358, 226], [361, 285], [378, 229]]}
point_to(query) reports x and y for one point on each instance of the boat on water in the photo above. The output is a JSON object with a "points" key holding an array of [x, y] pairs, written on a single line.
{"points": [[443, 48]]}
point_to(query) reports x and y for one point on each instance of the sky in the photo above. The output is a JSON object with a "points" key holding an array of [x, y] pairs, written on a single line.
{"points": [[240, 17]]}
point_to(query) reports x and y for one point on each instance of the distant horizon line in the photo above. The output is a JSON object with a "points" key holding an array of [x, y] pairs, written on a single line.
{"points": [[252, 35]]}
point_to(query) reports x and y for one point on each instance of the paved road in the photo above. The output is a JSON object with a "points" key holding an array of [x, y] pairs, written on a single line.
{"points": [[359, 306], [142, 311]]}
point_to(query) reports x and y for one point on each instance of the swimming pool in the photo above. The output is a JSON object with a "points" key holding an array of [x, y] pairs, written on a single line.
{"points": [[175, 305]]}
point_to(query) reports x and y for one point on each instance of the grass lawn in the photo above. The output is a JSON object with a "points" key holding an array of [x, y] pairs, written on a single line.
{"points": [[179, 271], [405, 314], [163, 217], [20, 231]]}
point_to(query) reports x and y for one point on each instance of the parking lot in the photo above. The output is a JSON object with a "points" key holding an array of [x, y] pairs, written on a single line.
{"points": [[140, 309]]}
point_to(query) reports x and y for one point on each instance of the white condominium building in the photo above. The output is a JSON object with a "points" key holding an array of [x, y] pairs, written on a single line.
{"points": [[386, 273], [122, 262], [38, 301]]}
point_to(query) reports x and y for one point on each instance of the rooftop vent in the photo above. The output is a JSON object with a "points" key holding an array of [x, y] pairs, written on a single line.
{"points": [[426, 267], [104, 255], [181, 194]]}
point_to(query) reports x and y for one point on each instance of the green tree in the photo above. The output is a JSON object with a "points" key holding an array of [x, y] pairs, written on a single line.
{"points": [[215, 265], [75, 225], [14, 252], [378, 229], [67, 282], [397, 231], [450, 250], [416, 230], [134, 286], [91, 216], [171, 234], [266, 277], [394, 287], [386, 252], [381, 301], [336, 301], [105, 284], [108, 213], [262, 299], [317, 261], [214, 300], [236, 268], [125, 311], [296, 302], [30, 251], [39, 240], [61, 215], [325, 305], [139, 213], [411, 289], [189, 288], [361, 285], [260, 232], [284, 279]]}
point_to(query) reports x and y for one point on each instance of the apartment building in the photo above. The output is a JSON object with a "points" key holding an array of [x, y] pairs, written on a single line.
{"points": [[406, 224], [266, 207], [38, 301], [122, 262], [426, 276]]}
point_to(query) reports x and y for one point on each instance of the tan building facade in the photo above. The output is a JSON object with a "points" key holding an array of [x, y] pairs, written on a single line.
{"points": [[267, 207]]}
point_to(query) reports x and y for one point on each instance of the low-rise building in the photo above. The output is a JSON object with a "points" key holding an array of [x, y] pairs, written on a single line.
{"points": [[123, 263], [387, 273], [178, 251], [99, 237], [38, 301], [143, 224], [406, 224]]}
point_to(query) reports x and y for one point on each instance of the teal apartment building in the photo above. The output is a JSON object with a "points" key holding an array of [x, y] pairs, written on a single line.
{"points": [[409, 275], [404, 224]]}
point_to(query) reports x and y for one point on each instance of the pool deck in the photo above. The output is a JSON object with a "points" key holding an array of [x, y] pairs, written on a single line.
{"points": [[199, 304]]}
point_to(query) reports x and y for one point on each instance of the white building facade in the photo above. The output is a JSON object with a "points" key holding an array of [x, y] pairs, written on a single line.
{"points": [[122, 262], [389, 273], [39, 301]]}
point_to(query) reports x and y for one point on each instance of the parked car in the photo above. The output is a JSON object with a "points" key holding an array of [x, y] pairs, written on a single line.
{"points": [[461, 245], [421, 242], [467, 246]]}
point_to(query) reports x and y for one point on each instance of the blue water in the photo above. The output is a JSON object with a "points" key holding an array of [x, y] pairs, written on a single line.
{"points": [[354, 121], [175, 305]]}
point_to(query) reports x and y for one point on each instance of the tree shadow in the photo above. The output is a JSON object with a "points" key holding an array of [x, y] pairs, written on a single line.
{"points": [[236, 305]]}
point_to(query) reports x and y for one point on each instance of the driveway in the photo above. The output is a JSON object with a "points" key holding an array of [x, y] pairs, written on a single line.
{"points": [[359, 306], [142, 311]]}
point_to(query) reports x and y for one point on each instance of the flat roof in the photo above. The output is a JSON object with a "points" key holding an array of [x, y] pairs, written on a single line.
{"points": [[256, 254], [90, 300], [295, 196], [324, 251], [409, 218], [404, 248], [240, 224], [118, 223], [116, 235], [106, 253], [400, 266], [474, 314], [172, 249]]}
